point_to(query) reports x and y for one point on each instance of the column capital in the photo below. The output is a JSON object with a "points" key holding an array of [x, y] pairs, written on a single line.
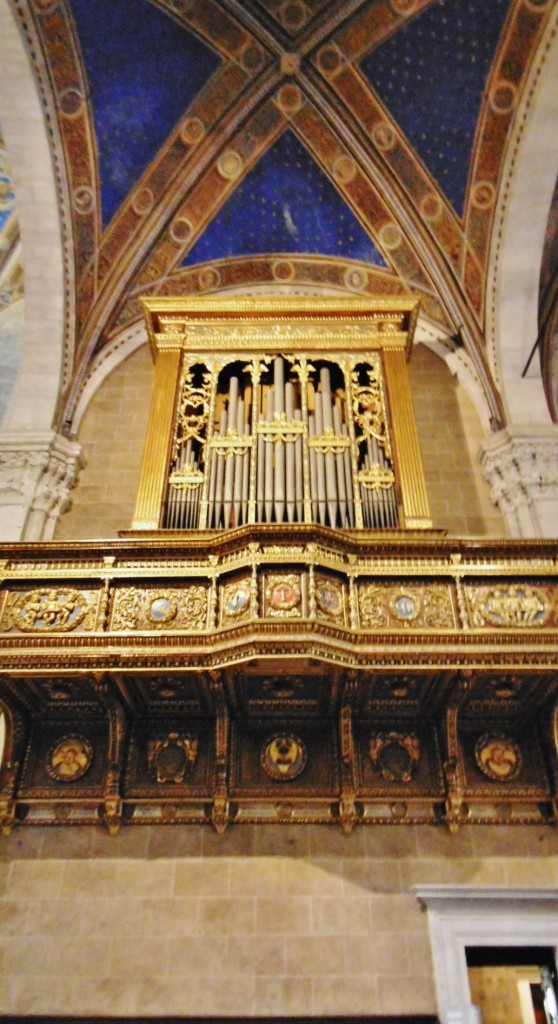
{"points": [[37, 472], [521, 466]]}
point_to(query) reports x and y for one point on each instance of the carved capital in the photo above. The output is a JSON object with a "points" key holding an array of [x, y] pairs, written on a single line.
{"points": [[37, 473], [522, 470]]}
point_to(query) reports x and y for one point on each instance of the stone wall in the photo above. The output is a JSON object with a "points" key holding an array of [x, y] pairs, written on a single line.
{"points": [[269, 920], [114, 426]]}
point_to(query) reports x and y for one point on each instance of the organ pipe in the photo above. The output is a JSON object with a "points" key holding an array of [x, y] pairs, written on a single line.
{"points": [[292, 442]]}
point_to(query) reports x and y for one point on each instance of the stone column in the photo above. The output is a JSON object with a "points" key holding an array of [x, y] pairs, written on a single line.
{"points": [[521, 466], [37, 473]]}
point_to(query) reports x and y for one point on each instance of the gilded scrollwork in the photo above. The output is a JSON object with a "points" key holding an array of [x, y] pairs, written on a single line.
{"points": [[183, 609], [515, 606], [385, 606], [49, 610]]}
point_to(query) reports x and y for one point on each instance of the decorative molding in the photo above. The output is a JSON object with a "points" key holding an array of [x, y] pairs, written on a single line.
{"points": [[37, 473], [462, 916], [522, 470]]}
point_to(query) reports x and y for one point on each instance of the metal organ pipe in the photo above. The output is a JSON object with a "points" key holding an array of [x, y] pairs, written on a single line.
{"points": [[264, 422]]}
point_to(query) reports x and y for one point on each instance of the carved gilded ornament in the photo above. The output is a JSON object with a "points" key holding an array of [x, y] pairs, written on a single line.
{"points": [[515, 606], [330, 600], [498, 757], [283, 757], [181, 608], [395, 755], [69, 759], [173, 757], [384, 606], [49, 610]]}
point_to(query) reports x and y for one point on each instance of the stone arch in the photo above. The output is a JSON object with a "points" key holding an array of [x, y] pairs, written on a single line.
{"points": [[25, 134], [521, 217]]}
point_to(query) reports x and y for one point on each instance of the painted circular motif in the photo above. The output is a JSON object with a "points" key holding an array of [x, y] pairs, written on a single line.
{"points": [[498, 757], [161, 609], [404, 606], [483, 195], [431, 207], [71, 101], [293, 14], [391, 236], [192, 131], [284, 596], [329, 59], [383, 135], [142, 201], [83, 199], [180, 230], [503, 97], [283, 756], [355, 279], [229, 165], [289, 98], [251, 58], [69, 758], [344, 169], [209, 278], [329, 599], [237, 600], [283, 270]]}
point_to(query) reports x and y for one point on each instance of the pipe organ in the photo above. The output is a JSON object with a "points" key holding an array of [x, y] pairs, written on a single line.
{"points": [[283, 412]]}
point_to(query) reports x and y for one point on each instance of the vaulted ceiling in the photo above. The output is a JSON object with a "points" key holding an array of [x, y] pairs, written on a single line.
{"points": [[206, 145]]}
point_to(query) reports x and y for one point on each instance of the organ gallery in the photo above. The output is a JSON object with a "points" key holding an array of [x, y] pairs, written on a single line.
{"points": [[281, 635]]}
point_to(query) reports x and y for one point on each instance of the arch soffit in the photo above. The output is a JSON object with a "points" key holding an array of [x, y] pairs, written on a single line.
{"points": [[25, 135], [528, 181]]}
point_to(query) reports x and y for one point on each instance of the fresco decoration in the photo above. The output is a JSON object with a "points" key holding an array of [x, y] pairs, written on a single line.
{"points": [[136, 101], [423, 73], [173, 131], [285, 205]]}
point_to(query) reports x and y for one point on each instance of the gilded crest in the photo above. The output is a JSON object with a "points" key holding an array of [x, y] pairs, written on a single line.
{"points": [[498, 757], [173, 757], [395, 755], [283, 756], [69, 758], [329, 598], [236, 600]]}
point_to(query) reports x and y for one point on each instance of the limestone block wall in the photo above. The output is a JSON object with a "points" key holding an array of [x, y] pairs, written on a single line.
{"points": [[114, 426], [267, 920]]}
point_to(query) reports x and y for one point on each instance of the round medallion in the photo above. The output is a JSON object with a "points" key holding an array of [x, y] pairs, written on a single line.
{"points": [[329, 599], [289, 98], [180, 230], [142, 202], [498, 757], [329, 59], [283, 270], [284, 596], [229, 165], [355, 279], [83, 199], [405, 606], [432, 207], [483, 195], [383, 135], [161, 609], [390, 236], [192, 131], [69, 758], [237, 600], [502, 97], [209, 278], [71, 101], [57, 611], [344, 169], [283, 757]]}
